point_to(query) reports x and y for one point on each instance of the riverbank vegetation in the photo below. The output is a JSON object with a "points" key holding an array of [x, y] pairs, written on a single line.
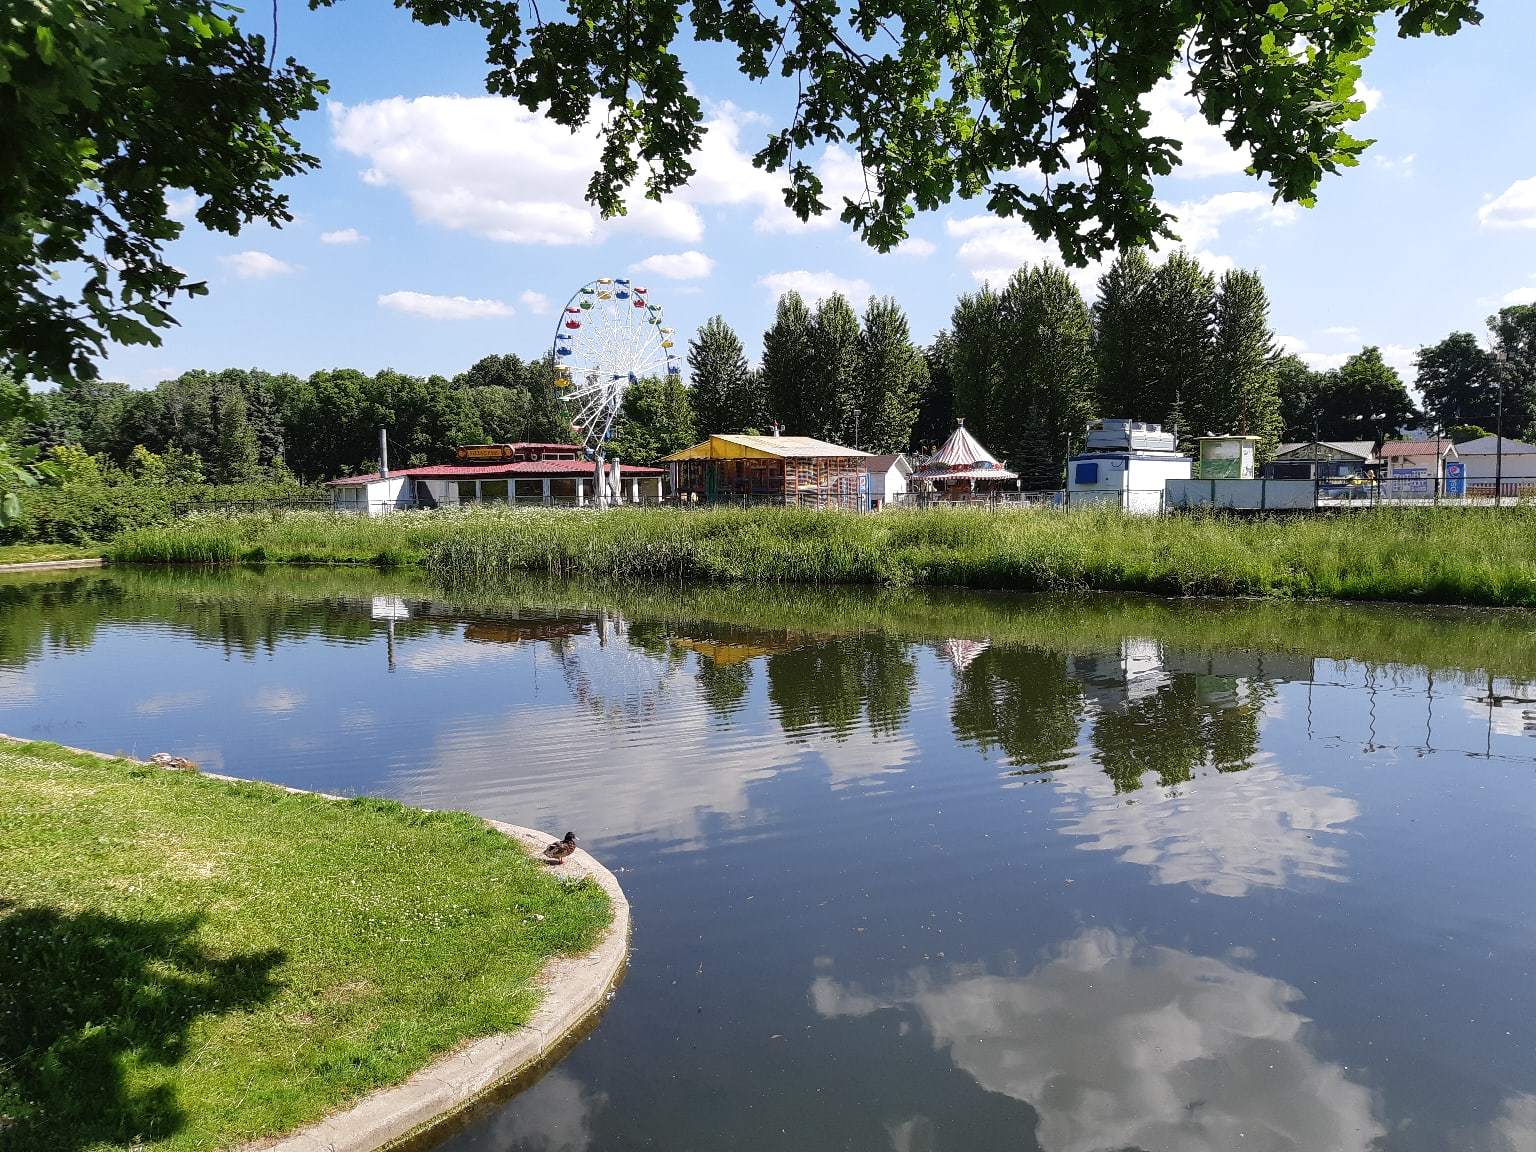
{"points": [[187, 963], [1447, 556], [243, 608]]}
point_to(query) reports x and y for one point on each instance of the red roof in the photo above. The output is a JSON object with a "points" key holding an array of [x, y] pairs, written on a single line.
{"points": [[536, 468]]}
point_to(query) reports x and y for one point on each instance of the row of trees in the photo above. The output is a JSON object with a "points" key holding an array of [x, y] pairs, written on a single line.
{"points": [[242, 424], [1027, 365]]}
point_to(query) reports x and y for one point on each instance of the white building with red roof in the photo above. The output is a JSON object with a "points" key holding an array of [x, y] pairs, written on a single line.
{"points": [[518, 474]]}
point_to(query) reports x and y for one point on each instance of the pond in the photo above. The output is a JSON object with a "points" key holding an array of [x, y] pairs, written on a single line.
{"points": [[916, 871]]}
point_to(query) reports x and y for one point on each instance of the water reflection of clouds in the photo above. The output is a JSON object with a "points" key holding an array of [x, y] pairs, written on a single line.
{"points": [[608, 777], [1116, 1044], [555, 1115], [862, 757], [163, 702], [16, 687], [1514, 1129], [276, 700], [1221, 833]]}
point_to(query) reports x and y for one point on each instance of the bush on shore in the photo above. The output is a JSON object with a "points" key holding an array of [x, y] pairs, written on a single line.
{"points": [[84, 513], [1450, 556]]}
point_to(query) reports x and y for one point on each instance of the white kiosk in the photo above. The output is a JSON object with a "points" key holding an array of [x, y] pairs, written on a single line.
{"points": [[1126, 463]]}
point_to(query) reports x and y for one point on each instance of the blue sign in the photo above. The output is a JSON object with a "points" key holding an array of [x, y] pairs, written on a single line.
{"points": [[1455, 478]]}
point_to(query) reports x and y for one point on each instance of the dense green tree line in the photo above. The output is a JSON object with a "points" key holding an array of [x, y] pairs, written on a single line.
{"points": [[243, 424], [1027, 364]]}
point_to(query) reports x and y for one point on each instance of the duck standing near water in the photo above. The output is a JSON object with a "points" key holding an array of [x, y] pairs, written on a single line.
{"points": [[560, 849]]}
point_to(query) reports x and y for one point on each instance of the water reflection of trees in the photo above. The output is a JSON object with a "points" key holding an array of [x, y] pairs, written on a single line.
{"points": [[831, 684], [1153, 711], [1024, 701]]}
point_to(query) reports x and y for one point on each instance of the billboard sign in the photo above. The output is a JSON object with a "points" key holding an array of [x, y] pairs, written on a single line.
{"points": [[1455, 478]]}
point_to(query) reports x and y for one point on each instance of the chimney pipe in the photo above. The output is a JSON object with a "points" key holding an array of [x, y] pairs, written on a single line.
{"points": [[383, 453]]}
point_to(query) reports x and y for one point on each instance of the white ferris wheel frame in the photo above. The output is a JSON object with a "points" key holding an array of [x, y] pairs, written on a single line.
{"points": [[616, 344]]}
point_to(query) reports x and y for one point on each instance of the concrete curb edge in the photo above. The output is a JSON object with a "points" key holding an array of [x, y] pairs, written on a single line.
{"points": [[576, 989], [52, 565]]}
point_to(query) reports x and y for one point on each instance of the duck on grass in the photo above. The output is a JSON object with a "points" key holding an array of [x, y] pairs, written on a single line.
{"points": [[189, 963]]}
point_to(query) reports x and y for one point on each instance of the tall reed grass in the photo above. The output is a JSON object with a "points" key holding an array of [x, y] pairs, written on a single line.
{"points": [[1447, 556]]}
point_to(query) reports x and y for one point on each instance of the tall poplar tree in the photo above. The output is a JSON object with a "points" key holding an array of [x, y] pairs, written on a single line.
{"points": [[1179, 320], [788, 362], [976, 359], [1240, 393], [1122, 334], [936, 408], [726, 394], [831, 389], [1046, 383], [891, 378]]}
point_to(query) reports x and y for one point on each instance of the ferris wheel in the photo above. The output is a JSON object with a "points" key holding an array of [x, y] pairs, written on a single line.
{"points": [[610, 335]]}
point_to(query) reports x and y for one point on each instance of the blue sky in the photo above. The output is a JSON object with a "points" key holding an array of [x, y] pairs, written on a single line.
{"points": [[445, 224]]}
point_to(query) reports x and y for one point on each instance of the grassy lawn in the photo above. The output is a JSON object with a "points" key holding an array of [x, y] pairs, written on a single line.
{"points": [[187, 963], [30, 553]]}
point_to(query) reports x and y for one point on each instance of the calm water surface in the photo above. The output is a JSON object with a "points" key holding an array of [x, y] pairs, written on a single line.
{"points": [[912, 872]]}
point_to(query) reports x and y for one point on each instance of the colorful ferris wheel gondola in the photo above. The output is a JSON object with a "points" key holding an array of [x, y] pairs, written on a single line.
{"points": [[609, 338]]}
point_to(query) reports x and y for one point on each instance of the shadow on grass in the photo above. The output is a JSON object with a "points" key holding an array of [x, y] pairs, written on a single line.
{"points": [[82, 997]]}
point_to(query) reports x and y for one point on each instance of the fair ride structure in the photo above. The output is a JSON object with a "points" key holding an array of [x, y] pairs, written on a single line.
{"points": [[610, 335]]}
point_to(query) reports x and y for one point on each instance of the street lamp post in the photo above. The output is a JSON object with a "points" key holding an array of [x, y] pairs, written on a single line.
{"points": [[1500, 356], [856, 415]]}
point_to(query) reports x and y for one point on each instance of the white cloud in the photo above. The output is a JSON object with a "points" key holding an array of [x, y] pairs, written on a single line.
{"points": [[536, 302], [1400, 356], [342, 236], [690, 265], [443, 307], [1370, 97], [1317, 361], [1524, 295], [492, 167], [1398, 166], [181, 206], [489, 166], [1199, 223], [993, 248], [916, 247], [815, 285], [1118, 1044], [1342, 332], [1515, 207], [1174, 112], [254, 265]]}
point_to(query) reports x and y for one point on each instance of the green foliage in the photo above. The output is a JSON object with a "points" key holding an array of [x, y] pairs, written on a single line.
{"points": [[1425, 555], [515, 399], [830, 391], [936, 406], [1366, 400], [104, 106], [727, 395], [1178, 320], [1461, 433], [1301, 398], [789, 366], [1123, 335], [1242, 394], [890, 378], [1458, 380], [944, 101], [657, 419], [168, 942], [1046, 380], [89, 513], [1513, 331]]}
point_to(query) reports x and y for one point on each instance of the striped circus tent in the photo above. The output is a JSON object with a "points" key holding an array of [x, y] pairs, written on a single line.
{"points": [[962, 457]]}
